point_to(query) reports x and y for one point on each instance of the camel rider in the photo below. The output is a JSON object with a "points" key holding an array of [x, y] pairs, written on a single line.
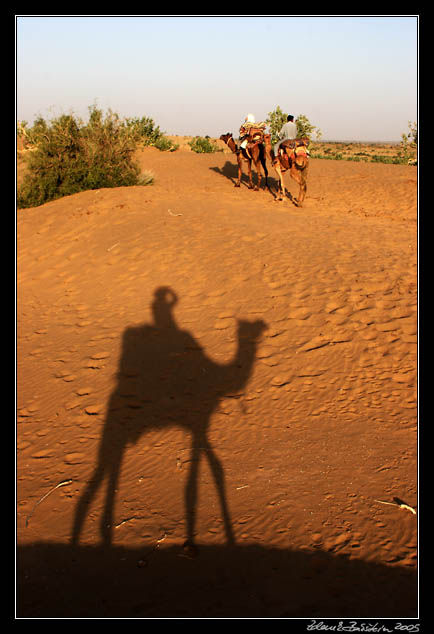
{"points": [[244, 131], [288, 132]]}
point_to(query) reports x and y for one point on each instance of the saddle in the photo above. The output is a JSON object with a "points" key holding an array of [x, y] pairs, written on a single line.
{"points": [[256, 135], [294, 143], [254, 132], [291, 149]]}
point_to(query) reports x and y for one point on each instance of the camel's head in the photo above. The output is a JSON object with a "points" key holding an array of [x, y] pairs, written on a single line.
{"points": [[251, 330], [226, 137]]}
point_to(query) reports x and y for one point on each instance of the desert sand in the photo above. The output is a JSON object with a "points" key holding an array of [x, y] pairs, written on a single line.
{"points": [[195, 359]]}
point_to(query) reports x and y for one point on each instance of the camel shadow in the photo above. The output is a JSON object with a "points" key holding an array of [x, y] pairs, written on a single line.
{"points": [[165, 379], [230, 171]]}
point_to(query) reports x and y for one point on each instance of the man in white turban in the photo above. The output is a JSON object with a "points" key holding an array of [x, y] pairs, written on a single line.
{"points": [[244, 130]]}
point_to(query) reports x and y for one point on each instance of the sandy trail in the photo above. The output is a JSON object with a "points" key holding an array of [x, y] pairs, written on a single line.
{"points": [[314, 424]]}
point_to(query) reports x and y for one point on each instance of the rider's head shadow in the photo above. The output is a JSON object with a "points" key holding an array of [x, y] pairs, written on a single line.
{"points": [[166, 379], [162, 307]]}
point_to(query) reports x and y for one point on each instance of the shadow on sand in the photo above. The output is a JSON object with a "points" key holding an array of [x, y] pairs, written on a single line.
{"points": [[165, 379], [230, 171], [222, 581]]}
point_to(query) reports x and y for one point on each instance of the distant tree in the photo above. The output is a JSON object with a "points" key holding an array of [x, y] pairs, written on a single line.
{"points": [[413, 132], [277, 118], [275, 121], [405, 152], [306, 129]]}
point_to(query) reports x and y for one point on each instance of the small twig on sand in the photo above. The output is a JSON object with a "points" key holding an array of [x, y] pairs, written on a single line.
{"points": [[61, 484], [399, 503], [172, 214], [128, 519]]}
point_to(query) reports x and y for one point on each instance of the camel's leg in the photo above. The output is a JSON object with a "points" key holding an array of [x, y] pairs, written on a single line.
{"points": [[191, 493], [85, 501], [264, 167], [299, 175], [218, 473], [249, 167], [259, 160], [112, 487], [303, 187], [282, 192], [109, 463], [240, 170], [258, 172]]}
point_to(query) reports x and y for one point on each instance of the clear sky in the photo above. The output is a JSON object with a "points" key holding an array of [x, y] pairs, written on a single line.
{"points": [[354, 77]]}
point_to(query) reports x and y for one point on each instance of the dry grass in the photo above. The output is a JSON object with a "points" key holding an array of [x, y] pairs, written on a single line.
{"points": [[361, 151], [378, 152]]}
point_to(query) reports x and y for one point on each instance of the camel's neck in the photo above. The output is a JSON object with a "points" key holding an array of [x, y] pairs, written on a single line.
{"points": [[247, 354], [231, 144], [243, 363], [267, 141]]}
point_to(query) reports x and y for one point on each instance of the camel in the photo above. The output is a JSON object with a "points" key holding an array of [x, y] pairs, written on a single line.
{"points": [[292, 158], [255, 152], [165, 379]]}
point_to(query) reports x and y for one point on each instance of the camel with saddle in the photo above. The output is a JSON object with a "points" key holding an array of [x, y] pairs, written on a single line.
{"points": [[293, 157], [251, 150]]}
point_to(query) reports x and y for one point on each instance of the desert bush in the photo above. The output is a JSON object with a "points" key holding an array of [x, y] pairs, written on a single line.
{"points": [[406, 149], [148, 134], [203, 145], [69, 157], [144, 129], [413, 132], [166, 145], [30, 135]]}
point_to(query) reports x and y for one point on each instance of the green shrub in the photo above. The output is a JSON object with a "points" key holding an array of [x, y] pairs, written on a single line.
{"points": [[166, 145], [148, 134], [277, 118], [68, 157], [306, 129], [144, 130], [203, 145]]}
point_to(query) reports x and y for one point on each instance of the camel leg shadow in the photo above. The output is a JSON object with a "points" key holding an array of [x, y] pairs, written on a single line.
{"points": [[201, 447]]}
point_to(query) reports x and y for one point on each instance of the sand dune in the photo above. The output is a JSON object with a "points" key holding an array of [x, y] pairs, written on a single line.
{"points": [[302, 431]]}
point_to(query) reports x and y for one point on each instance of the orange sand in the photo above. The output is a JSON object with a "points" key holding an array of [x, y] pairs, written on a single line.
{"points": [[313, 425]]}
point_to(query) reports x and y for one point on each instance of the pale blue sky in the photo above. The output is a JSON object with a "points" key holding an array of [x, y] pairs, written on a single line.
{"points": [[354, 77]]}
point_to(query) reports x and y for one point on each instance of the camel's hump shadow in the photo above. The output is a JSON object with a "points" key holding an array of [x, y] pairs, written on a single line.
{"points": [[165, 379]]}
